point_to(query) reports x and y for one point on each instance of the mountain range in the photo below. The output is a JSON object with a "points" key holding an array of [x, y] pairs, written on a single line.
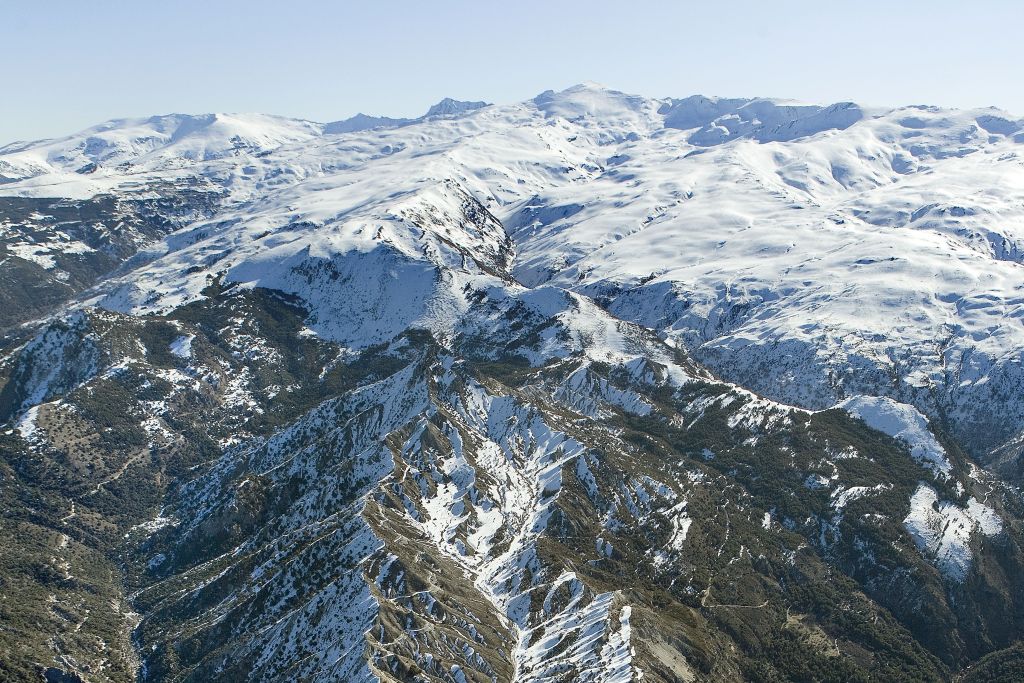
{"points": [[592, 387]]}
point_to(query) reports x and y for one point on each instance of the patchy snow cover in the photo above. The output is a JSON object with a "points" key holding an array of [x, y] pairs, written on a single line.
{"points": [[182, 346], [484, 497], [26, 424], [42, 253], [842, 496], [617, 654], [585, 392], [325, 637], [903, 422], [60, 357], [942, 530]]}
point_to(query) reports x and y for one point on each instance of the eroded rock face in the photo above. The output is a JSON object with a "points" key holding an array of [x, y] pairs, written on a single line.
{"points": [[417, 404]]}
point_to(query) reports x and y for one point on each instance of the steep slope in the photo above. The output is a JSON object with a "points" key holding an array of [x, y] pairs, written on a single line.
{"points": [[427, 403], [52, 249]]}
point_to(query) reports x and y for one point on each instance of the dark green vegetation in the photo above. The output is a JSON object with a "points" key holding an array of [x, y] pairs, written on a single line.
{"points": [[1003, 666]]}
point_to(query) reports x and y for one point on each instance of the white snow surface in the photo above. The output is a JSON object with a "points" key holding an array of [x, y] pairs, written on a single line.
{"points": [[182, 346], [903, 422], [26, 424], [942, 530]]}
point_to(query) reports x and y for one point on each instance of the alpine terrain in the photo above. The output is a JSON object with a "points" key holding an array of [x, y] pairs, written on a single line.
{"points": [[594, 387]]}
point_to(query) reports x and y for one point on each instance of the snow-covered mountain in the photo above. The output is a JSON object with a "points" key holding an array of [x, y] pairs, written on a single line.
{"points": [[484, 394]]}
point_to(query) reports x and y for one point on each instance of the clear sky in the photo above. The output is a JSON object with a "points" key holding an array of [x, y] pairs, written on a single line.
{"points": [[68, 64]]}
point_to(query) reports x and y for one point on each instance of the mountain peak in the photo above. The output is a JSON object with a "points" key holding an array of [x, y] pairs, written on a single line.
{"points": [[451, 107], [594, 100]]}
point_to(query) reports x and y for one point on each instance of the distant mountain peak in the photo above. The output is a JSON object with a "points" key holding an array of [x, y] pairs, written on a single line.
{"points": [[450, 107], [446, 108], [364, 122]]}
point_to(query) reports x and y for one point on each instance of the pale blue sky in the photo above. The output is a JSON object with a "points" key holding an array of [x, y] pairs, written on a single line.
{"points": [[69, 63]]}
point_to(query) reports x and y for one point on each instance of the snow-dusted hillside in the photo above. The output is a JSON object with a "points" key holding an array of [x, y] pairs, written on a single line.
{"points": [[481, 395]]}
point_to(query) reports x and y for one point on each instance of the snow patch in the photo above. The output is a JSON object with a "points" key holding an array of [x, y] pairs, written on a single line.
{"points": [[942, 530], [27, 424], [903, 422], [182, 346]]}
